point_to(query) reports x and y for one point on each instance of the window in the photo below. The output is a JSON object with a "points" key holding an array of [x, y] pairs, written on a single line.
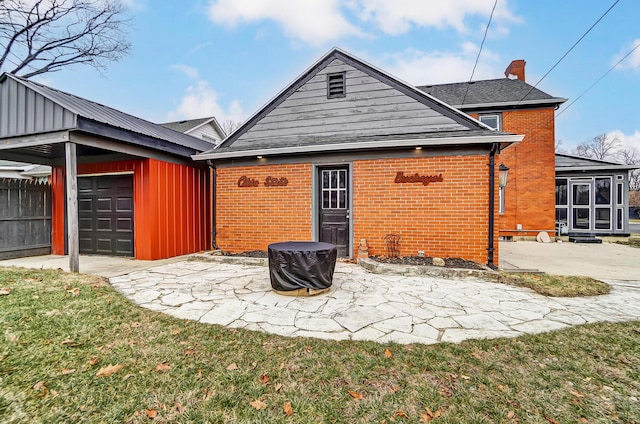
{"points": [[603, 191], [492, 120], [336, 85], [562, 205], [620, 194], [501, 199], [334, 189]]}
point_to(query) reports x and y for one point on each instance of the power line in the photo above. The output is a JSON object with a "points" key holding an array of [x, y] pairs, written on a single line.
{"points": [[569, 51], [600, 79], [486, 30]]}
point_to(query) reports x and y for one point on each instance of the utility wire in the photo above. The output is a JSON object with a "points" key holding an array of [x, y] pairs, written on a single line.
{"points": [[569, 51], [486, 30], [599, 79]]}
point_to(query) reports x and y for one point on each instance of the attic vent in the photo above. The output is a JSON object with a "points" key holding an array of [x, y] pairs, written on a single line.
{"points": [[336, 85]]}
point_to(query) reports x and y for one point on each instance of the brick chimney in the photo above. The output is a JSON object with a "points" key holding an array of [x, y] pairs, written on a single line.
{"points": [[516, 68]]}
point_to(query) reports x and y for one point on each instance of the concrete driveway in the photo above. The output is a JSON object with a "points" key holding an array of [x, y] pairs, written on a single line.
{"points": [[606, 261]]}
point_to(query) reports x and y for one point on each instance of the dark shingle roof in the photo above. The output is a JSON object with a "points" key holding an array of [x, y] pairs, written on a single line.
{"points": [[186, 125], [489, 92], [566, 161]]}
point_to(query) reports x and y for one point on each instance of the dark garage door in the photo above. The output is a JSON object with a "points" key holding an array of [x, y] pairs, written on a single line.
{"points": [[105, 212]]}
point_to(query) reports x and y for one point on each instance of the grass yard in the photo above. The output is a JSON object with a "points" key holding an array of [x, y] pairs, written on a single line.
{"points": [[74, 350], [557, 285]]}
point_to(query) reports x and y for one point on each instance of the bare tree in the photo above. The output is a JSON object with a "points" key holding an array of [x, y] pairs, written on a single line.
{"points": [[601, 147], [631, 156], [230, 126], [39, 36], [559, 148]]}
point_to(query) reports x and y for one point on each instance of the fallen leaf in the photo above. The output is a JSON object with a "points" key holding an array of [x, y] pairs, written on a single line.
{"points": [[163, 367], [551, 420], [175, 331], [277, 387], [287, 409], [465, 377], [53, 393], [208, 393], [511, 414], [108, 370], [94, 360], [233, 367], [5, 291], [66, 371], [135, 325], [179, 407], [199, 375], [74, 291], [583, 420], [151, 413], [258, 404], [264, 378], [576, 393], [388, 353], [401, 414], [39, 385], [501, 388], [71, 343], [355, 395], [128, 376]]}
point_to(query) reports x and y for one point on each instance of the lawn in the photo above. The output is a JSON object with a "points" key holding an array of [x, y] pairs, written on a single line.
{"points": [[74, 350]]}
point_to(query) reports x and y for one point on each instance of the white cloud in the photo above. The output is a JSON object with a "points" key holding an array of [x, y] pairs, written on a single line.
{"points": [[189, 71], [317, 22], [399, 16], [419, 68], [628, 140], [631, 62], [312, 21], [200, 100]]}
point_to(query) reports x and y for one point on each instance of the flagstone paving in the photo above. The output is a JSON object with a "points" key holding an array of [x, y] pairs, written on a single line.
{"points": [[366, 306]]}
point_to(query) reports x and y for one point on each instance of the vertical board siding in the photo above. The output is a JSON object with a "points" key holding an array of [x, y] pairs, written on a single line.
{"points": [[25, 218], [171, 206], [23, 111]]}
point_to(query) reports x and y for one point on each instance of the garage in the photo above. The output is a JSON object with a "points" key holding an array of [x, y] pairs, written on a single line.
{"points": [[105, 215]]}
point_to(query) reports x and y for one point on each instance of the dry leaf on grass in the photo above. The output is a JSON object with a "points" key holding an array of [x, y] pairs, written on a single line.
{"points": [[151, 413], [401, 414], [5, 291], [179, 407], [74, 291], [233, 367], [94, 360], [502, 388], [66, 371], [287, 409], [71, 343], [430, 415], [208, 393], [388, 353], [135, 325], [258, 404], [108, 370], [264, 378], [277, 387], [163, 367], [175, 331], [576, 393], [356, 395], [551, 420]]}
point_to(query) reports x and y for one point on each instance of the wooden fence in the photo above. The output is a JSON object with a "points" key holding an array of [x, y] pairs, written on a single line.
{"points": [[25, 218]]}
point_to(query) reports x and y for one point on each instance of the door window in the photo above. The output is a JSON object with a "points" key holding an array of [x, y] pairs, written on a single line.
{"points": [[334, 189]]}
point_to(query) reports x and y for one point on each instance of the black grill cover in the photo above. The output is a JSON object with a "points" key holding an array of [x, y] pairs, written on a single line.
{"points": [[295, 265]]}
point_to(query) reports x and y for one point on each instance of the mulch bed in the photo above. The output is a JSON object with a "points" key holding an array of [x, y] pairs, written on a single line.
{"points": [[428, 261], [250, 254]]}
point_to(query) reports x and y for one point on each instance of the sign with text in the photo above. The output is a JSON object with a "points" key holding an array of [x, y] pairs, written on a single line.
{"points": [[401, 178], [245, 181]]}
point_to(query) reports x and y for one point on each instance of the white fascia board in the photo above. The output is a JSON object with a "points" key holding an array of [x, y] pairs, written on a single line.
{"points": [[364, 145]]}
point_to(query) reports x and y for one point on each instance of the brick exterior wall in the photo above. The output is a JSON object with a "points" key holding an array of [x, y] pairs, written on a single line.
{"points": [[530, 191], [249, 218], [445, 219]]}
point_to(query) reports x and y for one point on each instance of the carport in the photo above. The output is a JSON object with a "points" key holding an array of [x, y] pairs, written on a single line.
{"points": [[120, 185]]}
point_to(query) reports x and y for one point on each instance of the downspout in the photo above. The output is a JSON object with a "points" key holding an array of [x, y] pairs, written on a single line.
{"points": [[492, 196], [213, 204]]}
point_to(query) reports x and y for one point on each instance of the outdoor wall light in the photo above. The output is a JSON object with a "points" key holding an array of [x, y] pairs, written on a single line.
{"points": [[418, 147], [503, 175]]}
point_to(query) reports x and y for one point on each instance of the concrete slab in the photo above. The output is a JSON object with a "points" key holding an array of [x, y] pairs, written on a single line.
{"points": [[608, 261]]}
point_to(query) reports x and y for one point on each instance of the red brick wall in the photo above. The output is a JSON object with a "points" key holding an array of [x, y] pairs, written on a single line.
{"points": [[530, 192], [249, 218], [445, 219]]}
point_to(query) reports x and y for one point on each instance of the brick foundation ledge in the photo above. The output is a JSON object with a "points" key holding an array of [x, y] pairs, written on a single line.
{"points": [[235, 260], [431, 271]]}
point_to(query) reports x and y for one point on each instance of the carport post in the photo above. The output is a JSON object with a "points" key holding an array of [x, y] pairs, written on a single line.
{"points": [[71, 172]]}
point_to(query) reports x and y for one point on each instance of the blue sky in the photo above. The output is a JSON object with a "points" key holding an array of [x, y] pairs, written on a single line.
{"points": [[229, 57]]}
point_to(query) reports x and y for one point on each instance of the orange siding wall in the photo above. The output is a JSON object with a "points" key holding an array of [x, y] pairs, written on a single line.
{"points": [[171, 207], [249, 218], [444, 219], [530, 191]]}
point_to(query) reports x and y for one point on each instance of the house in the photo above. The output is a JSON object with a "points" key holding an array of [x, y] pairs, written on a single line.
{"points": [[347, 153], [512, 105], [207, 129], [592, 196], [120, 185]]}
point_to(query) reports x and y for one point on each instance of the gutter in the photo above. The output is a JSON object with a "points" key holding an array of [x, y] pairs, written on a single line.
{"points": [[492, 197], [213, 204]]}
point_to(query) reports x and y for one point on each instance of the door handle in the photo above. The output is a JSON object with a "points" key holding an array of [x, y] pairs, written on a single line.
{"points": [[348, 214]]}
